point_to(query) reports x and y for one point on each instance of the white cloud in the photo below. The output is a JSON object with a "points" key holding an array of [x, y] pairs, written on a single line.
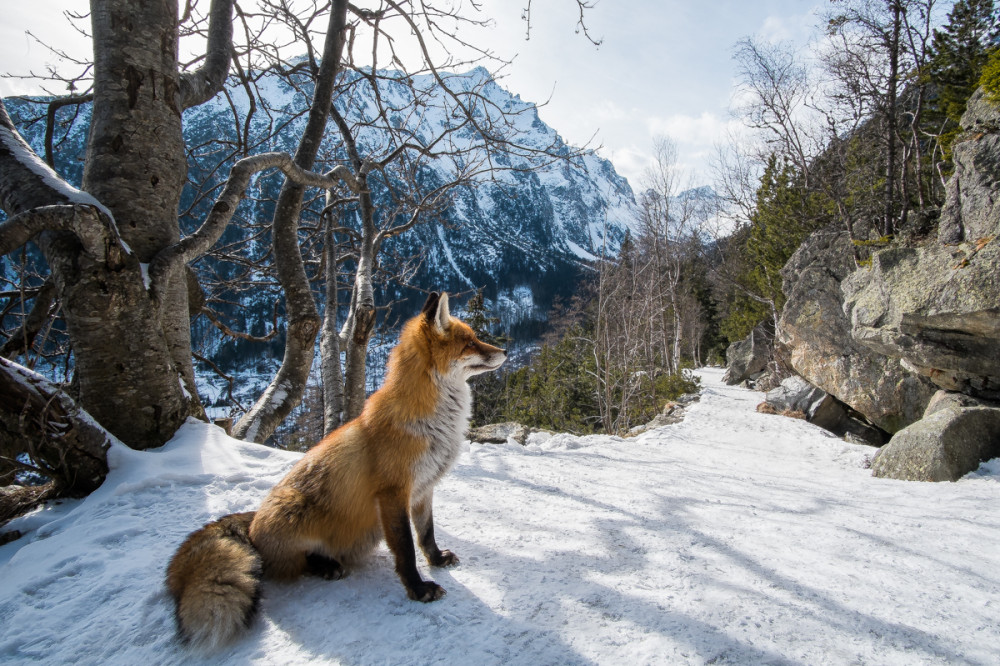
{"points": [[705, 128], [630, 161], [795, 28]]}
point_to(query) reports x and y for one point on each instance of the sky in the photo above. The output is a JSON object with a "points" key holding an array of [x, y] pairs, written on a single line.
{"points": [[663, 67]]}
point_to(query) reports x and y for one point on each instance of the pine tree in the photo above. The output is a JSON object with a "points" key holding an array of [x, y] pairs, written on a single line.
{"points": [[484, 324], [959, 52], [786, 212]]}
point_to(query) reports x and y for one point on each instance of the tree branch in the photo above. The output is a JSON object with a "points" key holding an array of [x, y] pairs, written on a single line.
{"points": [[50, 120], [52, 429], [201, 241], [204, 83], [83, 220], [20, 342]]}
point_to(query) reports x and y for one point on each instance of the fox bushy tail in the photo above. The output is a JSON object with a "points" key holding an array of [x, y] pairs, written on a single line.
{"points": [[215, 580]]}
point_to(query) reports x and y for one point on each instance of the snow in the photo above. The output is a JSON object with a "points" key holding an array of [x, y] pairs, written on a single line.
{"points": [[451, 258], [27, 158], [579, 251], [730, 538]]}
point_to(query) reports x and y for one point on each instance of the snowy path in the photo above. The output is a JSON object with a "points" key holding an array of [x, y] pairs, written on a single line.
{"points": [[731, 538]]}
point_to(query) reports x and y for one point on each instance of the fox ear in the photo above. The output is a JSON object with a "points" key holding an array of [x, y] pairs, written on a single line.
{"points": [[436, 310], [430, 306], [442, 318]]}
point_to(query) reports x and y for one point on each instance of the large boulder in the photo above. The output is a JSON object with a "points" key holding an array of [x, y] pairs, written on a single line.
{"points": [[749, 357], [937, 312], [933, 305], [945, 446], [503, 433], [816, 335], [796, 395], [499, 433]]}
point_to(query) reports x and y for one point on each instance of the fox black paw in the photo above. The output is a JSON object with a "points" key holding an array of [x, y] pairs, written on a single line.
{"points": [[445, 558], [425, 591], [324, 567]]}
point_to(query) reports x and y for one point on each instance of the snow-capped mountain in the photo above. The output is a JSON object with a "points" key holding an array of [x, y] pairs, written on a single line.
{"points": [[523, 231], [524, 228]]}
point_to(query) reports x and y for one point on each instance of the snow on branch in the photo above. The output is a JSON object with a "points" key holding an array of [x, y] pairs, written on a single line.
{"points": [[55, 432], [28, 181]]}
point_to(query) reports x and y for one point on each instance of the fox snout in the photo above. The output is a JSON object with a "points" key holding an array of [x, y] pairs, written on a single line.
{"points": [[489, 358]]}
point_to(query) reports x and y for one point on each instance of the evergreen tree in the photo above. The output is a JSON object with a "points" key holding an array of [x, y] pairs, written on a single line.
{"points": [[785, 213], [484, 324], [959, 52]]}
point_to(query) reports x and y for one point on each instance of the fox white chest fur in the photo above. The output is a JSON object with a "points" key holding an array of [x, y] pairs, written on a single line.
{"points": [[444, 431]]}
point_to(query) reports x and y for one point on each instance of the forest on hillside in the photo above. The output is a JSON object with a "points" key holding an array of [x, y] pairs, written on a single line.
{"points": [[855, 132]]}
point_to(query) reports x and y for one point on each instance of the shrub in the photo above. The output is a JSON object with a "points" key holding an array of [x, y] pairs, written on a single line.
{"points": [[990, 78]]}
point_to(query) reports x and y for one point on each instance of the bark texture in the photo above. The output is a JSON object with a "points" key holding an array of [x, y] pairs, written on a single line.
{"points": [[38, 418]]}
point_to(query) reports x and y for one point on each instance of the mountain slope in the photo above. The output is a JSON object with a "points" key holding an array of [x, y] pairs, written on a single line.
{"points": [[527, 224], [733, 537]]}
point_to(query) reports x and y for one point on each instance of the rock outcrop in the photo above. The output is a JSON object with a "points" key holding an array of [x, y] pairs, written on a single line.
{"points": [[673, 412], [502, 433], [817, 337], [948, 443], [797, 396], [748, 358], [972, 205], [936, 305]]}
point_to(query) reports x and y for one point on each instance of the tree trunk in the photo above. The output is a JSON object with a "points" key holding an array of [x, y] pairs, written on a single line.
{"points": [[39, 419], [286, 389], [136, 167], [361, 321], [891, 120], [329, 342], [127, 380]]}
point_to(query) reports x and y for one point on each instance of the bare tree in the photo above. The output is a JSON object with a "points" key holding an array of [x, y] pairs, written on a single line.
{"points": [[118, 263]]}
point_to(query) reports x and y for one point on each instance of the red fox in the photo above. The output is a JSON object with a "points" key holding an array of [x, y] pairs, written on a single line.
{"points": [[362, 483]]}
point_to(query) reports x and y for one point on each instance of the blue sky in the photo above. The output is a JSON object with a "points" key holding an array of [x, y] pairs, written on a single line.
{"points": [[664, 67]]}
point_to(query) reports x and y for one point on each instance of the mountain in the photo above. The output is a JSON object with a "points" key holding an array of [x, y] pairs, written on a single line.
{"points": [[524, 233]]}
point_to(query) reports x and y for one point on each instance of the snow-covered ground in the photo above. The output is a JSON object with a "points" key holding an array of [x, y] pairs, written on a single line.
{"points": [[731, 538]]}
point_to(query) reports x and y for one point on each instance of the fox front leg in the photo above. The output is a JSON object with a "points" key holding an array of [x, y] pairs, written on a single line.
{"points": [[396, 528], [423, 521]]}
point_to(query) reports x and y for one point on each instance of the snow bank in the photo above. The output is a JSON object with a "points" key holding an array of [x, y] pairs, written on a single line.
{"points": [[731, 538]]}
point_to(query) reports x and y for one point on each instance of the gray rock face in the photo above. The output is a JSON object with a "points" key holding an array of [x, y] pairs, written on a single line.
{"points": [[936, 305], [748, 357], [796, 395], [501, 433], [673, 412], [937, 309], [497, 433], [945, 399], [972, 206], [818, 338], [946, 445], [820, 408]]}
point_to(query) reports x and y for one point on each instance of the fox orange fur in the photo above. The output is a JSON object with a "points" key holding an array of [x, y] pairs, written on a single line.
{"points": [[360, 484]]}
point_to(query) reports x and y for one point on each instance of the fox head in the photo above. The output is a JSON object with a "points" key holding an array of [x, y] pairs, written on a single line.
{"points": [[454, 346]]}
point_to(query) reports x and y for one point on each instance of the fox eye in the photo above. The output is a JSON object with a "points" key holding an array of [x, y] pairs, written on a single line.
{"points": [[470, 345]]}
